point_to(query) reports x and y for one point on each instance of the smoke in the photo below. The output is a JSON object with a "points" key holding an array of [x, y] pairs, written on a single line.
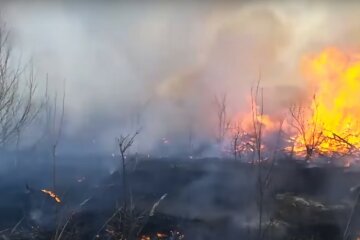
{"points": [[158, 66]]}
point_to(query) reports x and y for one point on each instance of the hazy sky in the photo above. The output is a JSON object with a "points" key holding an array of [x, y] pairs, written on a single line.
{"points": [[163, 63]]}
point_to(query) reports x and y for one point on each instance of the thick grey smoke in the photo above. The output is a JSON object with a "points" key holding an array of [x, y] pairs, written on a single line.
{"points": [[158, 66]]}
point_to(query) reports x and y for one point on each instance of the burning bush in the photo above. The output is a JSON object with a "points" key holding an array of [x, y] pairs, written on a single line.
{"points": [[323, 123]]}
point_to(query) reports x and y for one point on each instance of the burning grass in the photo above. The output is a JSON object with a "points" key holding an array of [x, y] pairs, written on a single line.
{"points": [[217, 188], [324, 122], [52, 195]]}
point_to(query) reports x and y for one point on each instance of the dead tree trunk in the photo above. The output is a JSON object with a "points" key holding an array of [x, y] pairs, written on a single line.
{"points": [[124, 143], [222, 118], [18, 107]]}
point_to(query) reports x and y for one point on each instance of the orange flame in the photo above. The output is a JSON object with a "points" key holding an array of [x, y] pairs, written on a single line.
{"points": [[333, 76], [52, 195], [161, 235], [331, 112]]}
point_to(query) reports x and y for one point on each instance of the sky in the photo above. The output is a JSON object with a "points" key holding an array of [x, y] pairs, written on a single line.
{"points": [[158, 65]]}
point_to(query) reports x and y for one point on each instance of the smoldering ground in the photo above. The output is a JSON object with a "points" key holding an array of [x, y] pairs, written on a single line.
{"points": [[206, 198]]}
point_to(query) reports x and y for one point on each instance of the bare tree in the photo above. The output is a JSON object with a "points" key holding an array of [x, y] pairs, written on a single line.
{"points": [[124, 143], [264, 169], [56, 132], [54, 113], [307, 123], [257, 110], [190, 140], [54, 121], [17, 90], [242, 142], [222, 118], [237, 140]]}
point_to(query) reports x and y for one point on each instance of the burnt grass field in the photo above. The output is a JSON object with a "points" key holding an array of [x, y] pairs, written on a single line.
{"points": [[205, 199]]}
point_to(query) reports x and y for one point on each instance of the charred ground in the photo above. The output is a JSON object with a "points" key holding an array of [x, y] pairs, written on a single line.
{"points": [[205, 199]]}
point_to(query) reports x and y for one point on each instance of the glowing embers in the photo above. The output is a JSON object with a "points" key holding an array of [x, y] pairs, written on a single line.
{"points": [[52, 195], [176, 235]]}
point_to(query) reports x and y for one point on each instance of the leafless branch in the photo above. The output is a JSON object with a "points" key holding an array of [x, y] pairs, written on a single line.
{"points": [[17, 90], [307, 123], [222, 118], [124, 143]]}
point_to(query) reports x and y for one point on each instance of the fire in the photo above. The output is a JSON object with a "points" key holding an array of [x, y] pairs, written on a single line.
{"points": [[243, 139], [52, 195], [333, 77], [326, 121], [159, 235]]}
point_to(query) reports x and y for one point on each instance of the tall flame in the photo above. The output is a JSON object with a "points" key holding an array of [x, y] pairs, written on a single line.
{"points": [[327, 121], [333, 76]]}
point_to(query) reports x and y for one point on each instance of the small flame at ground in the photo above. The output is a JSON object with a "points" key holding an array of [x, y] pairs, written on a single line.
{"points": [[52, 195], [163, 236]]}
